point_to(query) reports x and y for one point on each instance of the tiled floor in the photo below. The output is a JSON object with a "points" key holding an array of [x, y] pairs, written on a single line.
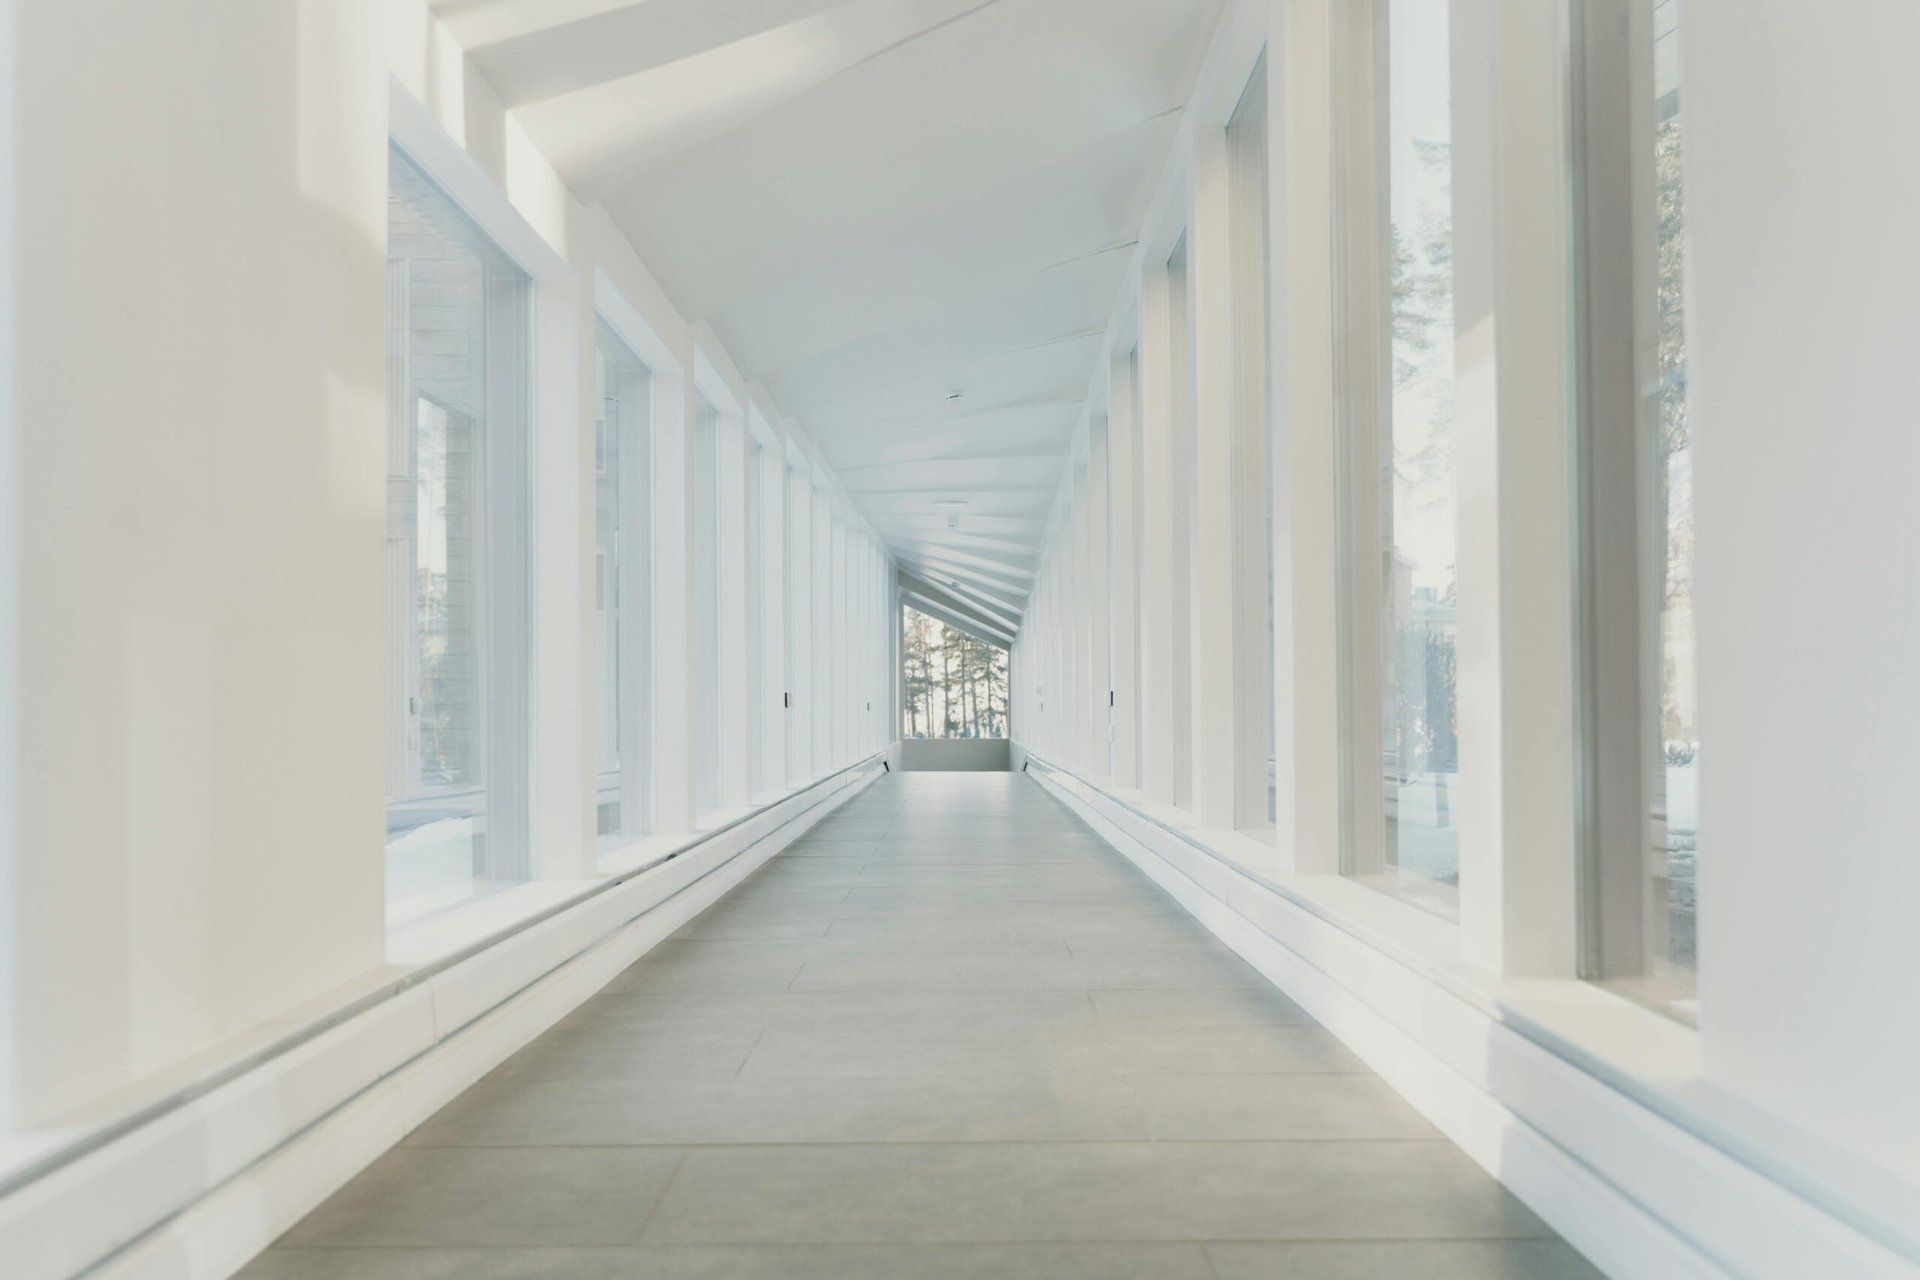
{"points": [[947, 1034]]}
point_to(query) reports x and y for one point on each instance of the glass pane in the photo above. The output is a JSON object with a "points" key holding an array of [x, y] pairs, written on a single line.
{"points": [[455, 560], [1420, 754], [952, 685], [1674, 809], [621, 448]]}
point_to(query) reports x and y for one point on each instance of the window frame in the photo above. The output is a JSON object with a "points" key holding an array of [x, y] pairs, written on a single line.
{"points": [[504, 587], [1363, 413], [1617, 494], [633, 588]]}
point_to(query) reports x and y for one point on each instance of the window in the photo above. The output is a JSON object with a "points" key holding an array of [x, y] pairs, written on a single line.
{"points": [[1642, 834], [1252, 472], [704, 471], [953, 685], [456, 569], [1402, 829], [622, 449], [1180, 398]]}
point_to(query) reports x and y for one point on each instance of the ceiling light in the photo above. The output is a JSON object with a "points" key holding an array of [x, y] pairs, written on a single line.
{"points": [[950, 504], [955, 395]]}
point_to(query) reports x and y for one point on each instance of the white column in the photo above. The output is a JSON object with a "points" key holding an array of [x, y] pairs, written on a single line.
{"points": [[1306, 675], [1210, 506], [1099, 674], [673, 597], [1123, 471], [565, 653], [730, 572], [1156, 541], [637, 612], [799, 674], [1084, 676], [771, 717], [824, 691], [1516, 680], [842, 680]]}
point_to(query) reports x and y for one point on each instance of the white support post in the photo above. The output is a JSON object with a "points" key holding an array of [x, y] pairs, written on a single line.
{"points": [[770, 715], [565, 651], [673, 612], [1123, 560], [1210, 505], [1099, 673], [1082, 601], [1516, 681], [735, 785], [1157, 473], [799, 675], [1308, 743], [823, 691], [842, 670], [1085, 678], [640, 409]]}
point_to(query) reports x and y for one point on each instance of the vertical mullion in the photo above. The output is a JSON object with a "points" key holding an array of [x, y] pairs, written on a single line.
{"points": [[1362, 355]]}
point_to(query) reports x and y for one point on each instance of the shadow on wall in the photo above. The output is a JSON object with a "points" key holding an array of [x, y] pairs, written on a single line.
{"points": [[955, 755]]}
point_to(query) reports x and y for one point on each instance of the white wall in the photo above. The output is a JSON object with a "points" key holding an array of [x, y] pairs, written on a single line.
{"points": [[197, 436], [1802, 186], [200, 484]]}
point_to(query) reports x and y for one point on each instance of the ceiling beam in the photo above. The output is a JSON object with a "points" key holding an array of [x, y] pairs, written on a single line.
{"points": [[996, 610]]}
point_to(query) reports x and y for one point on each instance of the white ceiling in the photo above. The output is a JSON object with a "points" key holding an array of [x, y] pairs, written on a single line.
{"points": [[876, 204]]}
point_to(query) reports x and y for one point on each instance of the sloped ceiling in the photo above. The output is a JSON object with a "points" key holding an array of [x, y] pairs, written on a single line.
{"points": [[909, 218]]}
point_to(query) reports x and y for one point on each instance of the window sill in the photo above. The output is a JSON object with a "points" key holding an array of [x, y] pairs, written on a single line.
{"points": [[423, 942]]}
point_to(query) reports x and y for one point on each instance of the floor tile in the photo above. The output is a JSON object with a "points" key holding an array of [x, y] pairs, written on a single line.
{"points": [[514, 1111], [714, 964], [1217, 1006], [1276, 1107], [745, 1262], [1403, 1260], [1098, 1191], [495, 1196]]}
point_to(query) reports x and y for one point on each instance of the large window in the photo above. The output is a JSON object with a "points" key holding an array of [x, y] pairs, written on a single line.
{"points": [[1637, 453], [705, 659], [1402, 830], [457, 573], [953, 685], [1252, 473], [622, 587]]}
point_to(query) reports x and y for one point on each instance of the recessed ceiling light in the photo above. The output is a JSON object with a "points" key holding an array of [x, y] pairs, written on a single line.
{"points": [[950, 504]]}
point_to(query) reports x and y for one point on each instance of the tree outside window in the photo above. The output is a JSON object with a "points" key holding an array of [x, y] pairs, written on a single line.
{"points": [[953, 685]]}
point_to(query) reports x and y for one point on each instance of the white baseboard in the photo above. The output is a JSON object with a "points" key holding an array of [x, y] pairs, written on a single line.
{"points": [[201, 1190], [1638, 1195]]}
